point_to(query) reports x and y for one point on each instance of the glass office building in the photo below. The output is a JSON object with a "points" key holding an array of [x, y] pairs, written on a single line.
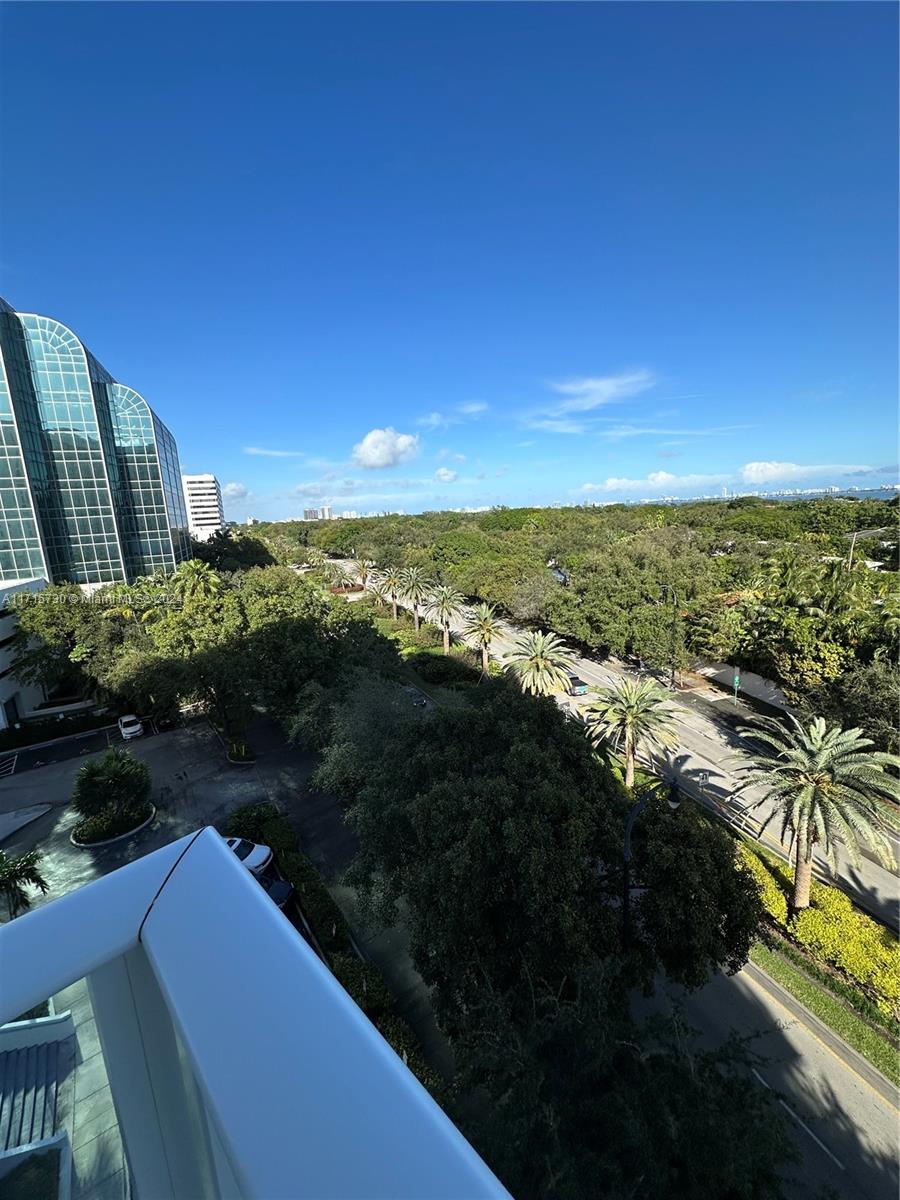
{"points": [[90, 485]]}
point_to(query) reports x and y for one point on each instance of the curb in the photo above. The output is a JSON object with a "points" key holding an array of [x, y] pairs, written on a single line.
{"points": [[65, 737], [109, 841], [850, 1057]]}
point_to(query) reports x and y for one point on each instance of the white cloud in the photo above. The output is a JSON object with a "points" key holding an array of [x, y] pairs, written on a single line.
{"points": [[235, 491], [584, 394], [459, 458], [524, 445], [385, 448], [616, 432], [445, 475], [472, 408], [785, 472], [261, 450], [662, 482]]}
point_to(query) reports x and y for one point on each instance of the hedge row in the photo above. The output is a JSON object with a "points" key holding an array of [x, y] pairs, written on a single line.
{"points": [[326, 919], [832, 931], [48, 728]]}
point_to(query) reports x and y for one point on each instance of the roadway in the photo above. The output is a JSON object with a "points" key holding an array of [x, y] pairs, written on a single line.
{"points": [[842, 1112], [706, 764]]}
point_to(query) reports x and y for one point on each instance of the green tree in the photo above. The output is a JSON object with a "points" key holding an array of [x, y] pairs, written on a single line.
{"points": [[114, 782], [17, 875], [633, 715], [195, 580], [483, 627], [393, 581], [415, 588], [443, 605], [540, 662], [363, 570], [380, 590], [582, 1100], [827, 787]]}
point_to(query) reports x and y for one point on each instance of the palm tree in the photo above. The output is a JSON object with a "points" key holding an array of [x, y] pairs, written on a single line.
{"points": [[379, 590], [338, 575], [18, 874], [828, 786], [483, 626], [314, 557], [363, 570], [633, 714], [393, 581], [415, 587], [195, 580], [443, 605], [540, 662]]}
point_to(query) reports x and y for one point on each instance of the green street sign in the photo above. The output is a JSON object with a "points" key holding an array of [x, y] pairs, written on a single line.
{"points": [[737, 681]]}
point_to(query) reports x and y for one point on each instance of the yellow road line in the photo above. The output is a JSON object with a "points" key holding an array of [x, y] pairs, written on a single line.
{"points": [[812, 1033]]}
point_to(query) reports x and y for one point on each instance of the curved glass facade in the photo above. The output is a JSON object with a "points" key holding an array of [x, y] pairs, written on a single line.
{"points": [[99, 481]]}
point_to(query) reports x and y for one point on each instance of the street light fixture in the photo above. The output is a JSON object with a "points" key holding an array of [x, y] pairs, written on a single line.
{"points": [[666, 590]]}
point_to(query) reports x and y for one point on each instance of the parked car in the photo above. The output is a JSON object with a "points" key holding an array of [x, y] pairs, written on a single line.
{"points": [[279, 891], [577, 687], [131, 727], [255, 858]]}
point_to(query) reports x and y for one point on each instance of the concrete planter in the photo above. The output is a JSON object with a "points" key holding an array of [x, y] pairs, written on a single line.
{"points": [[119, 837]]}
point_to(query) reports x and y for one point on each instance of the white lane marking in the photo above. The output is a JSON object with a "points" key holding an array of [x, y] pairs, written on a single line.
{"points": [[787, 1108], [8, 765]]}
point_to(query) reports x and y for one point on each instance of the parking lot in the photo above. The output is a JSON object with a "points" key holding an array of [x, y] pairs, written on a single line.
{"points": [[193, 785], [78, 746]]}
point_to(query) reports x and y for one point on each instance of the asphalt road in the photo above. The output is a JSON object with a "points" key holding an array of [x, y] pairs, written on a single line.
{"points": [[705, 764], [845, 1128]]}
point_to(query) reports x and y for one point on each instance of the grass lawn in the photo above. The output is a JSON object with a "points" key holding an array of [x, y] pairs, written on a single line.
{"points": [[876, 1049]]}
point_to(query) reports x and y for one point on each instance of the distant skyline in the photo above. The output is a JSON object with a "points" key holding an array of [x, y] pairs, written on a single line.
{"points": [[391, 256]]}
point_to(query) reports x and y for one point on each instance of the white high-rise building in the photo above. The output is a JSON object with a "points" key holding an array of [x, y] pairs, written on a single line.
{"points": [[325, 512], [204, 505]]}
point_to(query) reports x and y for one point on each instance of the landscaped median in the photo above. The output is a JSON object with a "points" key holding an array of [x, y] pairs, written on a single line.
{"points": [[362, 980], [839, 963]]}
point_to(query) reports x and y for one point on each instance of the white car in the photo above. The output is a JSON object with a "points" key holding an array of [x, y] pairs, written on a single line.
{"points": [[255, 858], [131, 727]]}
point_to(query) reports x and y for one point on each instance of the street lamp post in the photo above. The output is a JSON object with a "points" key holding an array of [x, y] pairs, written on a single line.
{"points": [[674, 800], [667, 590]]}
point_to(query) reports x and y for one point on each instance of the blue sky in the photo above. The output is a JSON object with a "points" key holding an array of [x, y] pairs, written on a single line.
{"points": [[424, 256]]}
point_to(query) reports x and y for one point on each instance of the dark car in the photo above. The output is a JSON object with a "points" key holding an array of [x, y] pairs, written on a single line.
{"points": [[279, 891], [577, 687]]}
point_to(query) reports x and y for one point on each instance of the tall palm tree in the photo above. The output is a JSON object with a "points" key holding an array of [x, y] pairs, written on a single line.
{"points": [[393, 581], [17, 875], [415, 587], [483, 626], [195, 580], [442, 606], [363, 570], [338, 575], [379, 590], [633, 714], [540, 662], [828, 787]]}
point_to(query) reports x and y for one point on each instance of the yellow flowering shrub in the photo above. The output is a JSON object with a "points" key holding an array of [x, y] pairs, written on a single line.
{"points": [[773, 898]]}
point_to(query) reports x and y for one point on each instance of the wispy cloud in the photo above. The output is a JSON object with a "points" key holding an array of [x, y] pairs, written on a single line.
{"points": [[554, 424], [617, 432], [445, 475], [263, 452], [590, 392], [435, 420], [663, 483], [472, 408], [235, 491]]}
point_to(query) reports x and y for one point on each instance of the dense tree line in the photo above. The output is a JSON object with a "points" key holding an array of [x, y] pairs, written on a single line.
{"points": [[781, 588], [493, 831]]}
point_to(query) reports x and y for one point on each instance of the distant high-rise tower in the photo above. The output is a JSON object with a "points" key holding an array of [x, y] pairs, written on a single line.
{"points": [[310, 514], [325, 512], [204, 505], [89, 476]]}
